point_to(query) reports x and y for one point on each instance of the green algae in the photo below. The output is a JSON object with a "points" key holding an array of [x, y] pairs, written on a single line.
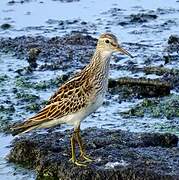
{"points": [[3, 78], [9, 109], [166, 107], [5, 116], [161, 70], [33, 107], [167, 128], [22, 82], [27, 97], [25, 83]]}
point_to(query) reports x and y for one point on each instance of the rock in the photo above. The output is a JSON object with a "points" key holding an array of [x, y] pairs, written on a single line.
{"points": [[11, 108], [141, 87], [67, 1], [171, 51], [173, 39], [5, 26], [72, 50], [12, 2], [79, 39], [118, 155], [142, 17], [33, 53], [169, 75], [119, 17], [165, 107], [173, 44]]}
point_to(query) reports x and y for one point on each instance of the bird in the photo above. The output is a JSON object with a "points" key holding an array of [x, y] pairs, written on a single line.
{"points": [[78, 97]]}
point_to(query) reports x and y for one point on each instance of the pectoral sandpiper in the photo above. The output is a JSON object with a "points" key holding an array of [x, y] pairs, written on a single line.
{"points": [[78, 97]]}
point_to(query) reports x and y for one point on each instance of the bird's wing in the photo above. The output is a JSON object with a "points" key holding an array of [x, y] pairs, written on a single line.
{"points": [[79, 86], [64, 103], [71, 97]]}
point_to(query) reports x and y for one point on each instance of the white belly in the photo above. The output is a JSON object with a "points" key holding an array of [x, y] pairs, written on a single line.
{"points": [[75, 118], [98, 101], [71, 119]]}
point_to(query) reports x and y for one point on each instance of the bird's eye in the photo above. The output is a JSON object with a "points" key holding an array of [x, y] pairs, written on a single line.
{"points": [[107, 41]]}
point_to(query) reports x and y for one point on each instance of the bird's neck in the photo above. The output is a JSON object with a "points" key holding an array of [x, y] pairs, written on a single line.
{"points": [[99, 68], [100, 61]]}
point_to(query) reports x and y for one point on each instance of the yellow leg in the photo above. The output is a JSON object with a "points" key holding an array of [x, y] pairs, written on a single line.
{"points": [[80, 142], [73, 158]]}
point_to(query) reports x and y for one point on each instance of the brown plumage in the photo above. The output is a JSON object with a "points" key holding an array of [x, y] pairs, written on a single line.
{"points": [[69, 98], [78, 97]]}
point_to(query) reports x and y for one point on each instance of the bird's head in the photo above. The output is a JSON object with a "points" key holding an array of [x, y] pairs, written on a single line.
{"points": [[108, 43]]}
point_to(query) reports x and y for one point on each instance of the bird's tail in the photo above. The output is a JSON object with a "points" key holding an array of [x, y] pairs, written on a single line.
{"points": [[21, 128]]}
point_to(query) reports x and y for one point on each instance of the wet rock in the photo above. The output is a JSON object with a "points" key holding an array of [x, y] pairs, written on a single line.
{"points": [[114, 12], [162, 11], [73, 50], [6, 112], [12, 2], [139, 87], [24, 83], [141, 17], [160, 71], [33, 107], [119, 17], [3, 78], [166, 107], [118, 155], [169, 23], [75, 25], [171, 51], [5, 26], [173, 39], [53, 21], [22, 96], [172, 45], [10, 108], [67, 1], [78, 39], [61, 22], [33, 53], [168, 75], [83, 23]]}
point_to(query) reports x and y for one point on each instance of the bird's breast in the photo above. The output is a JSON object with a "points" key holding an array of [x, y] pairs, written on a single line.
{"points": [[95, 103]]}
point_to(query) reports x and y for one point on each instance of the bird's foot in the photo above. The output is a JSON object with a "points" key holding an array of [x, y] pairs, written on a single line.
{"points": [[86, 158], [78, 163]]}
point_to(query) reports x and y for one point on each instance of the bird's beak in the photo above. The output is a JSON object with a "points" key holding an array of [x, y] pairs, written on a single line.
{"points": [[123, 51]]}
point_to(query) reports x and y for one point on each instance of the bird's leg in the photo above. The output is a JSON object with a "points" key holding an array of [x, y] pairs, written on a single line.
{"points": [[80, 142], [73, 155]]}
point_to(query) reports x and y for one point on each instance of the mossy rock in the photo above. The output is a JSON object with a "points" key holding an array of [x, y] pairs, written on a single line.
{"points": [[117, 155], [156, 107]]}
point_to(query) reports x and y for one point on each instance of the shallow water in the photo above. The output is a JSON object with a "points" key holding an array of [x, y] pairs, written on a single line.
{"points": [[31, 18], [10, 171]]}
